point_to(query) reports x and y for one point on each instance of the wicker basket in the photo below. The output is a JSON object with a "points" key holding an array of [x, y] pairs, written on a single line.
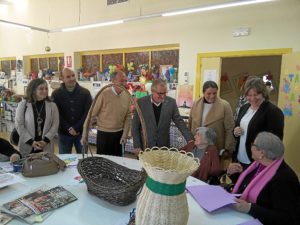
{"points": [[163, 199], [110, 181], [105, 179]]}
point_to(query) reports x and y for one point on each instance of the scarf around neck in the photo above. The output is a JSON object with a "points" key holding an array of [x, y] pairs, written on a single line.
{"points": [[255, 186]]}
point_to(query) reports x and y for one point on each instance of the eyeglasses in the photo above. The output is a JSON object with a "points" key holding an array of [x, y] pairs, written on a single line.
{"points": [[161, 93], [254, 145]]}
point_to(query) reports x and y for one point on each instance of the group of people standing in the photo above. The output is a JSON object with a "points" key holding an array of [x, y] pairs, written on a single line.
{"points": [[253, 141]]}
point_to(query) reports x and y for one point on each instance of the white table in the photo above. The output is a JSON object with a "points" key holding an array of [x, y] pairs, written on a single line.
{"points": [[90, 210]]}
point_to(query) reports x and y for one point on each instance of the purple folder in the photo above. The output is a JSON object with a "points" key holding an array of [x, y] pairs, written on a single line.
{"points": [[211, 197]]}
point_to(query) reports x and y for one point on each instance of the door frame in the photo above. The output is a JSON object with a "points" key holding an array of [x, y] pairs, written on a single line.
{"points": [[232, 54]]}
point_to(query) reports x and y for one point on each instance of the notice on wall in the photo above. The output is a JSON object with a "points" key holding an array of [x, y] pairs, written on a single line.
{"points": [[69, 61], [210, 75]]}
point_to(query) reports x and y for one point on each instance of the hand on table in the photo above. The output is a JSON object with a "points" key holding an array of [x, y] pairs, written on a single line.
{"points": [[242, 205]]}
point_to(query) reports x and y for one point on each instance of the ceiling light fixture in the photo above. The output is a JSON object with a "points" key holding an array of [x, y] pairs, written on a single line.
{"points": [[108, 23], [213, 7], [22, 26], [141, 17], [15, 25]]}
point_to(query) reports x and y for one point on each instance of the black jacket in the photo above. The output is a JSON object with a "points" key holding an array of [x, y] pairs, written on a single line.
{"points": [[73, 107], [7, 149], [267, 118]]}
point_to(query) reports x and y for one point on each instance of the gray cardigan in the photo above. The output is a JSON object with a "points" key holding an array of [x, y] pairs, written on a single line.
{"points": [[158, 135], [26, 129]]}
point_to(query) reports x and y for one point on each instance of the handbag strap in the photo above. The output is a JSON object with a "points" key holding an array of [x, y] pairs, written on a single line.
{"points": [[62, 165], [88, 122]]}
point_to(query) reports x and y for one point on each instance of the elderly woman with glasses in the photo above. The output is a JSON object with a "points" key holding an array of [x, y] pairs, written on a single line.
{"points": [[207, 153], [269, 188]]}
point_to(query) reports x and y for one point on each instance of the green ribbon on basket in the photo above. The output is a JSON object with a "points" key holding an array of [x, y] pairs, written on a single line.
{"points": [[165, 189]]}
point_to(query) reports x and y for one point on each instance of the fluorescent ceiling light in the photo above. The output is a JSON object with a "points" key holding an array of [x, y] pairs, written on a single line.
{"points": [[92, 25], [213, 7], [23, 26], [141, 17], [14, 25]]}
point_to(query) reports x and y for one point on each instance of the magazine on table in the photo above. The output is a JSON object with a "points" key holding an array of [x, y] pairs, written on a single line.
{"points": [[4, 218], [38, 203]]}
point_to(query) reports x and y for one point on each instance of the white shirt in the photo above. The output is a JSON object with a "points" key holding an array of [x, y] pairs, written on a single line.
{"points": [[206, 109], [242, 153]]}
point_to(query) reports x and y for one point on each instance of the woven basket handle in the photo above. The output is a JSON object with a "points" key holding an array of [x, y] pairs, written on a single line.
{"points": [[88, 119]]}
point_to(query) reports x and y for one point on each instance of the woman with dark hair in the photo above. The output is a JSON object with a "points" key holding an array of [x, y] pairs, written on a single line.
{"points": [[256, 116], [269, 188], [214, 112], [37, 119]]}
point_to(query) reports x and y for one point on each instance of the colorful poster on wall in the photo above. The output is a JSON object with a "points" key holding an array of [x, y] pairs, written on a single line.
{"points": [[185, 95]]}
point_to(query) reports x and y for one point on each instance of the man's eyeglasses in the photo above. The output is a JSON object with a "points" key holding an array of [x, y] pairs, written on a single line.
{"points": [[161, 93]]}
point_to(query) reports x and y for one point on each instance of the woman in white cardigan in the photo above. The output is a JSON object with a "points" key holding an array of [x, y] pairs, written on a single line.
{"points": [[37, 119]]}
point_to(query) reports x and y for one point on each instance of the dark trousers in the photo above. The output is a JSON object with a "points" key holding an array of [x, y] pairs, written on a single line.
{"points": [[108, 143], [66, 142]]}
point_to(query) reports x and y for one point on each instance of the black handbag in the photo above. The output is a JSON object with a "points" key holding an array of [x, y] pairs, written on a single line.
{"points": [[14, 135]]}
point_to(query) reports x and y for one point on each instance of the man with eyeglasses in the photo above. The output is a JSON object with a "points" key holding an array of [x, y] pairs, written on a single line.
{"points": [[158, 111]]}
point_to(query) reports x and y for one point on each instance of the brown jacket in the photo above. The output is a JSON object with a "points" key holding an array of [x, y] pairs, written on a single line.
{"points": [[219, 118], [209, 164]]}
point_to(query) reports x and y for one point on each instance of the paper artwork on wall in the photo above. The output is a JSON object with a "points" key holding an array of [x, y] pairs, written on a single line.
{"points": [[293, 98], [288, 110], [291, 77], [185, 95], [286, 86], [296, 78]]}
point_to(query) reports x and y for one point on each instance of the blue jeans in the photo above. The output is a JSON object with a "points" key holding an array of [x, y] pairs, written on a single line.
{"points": [[66, 142]]}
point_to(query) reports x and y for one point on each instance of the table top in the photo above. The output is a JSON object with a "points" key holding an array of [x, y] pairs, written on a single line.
{"points": [[89, 209]]}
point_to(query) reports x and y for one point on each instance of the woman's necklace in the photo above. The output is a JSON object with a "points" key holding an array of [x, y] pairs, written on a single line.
{"points": [[39, 119]]}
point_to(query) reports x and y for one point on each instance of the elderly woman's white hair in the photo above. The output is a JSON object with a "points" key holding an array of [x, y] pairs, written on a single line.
{"points": [[208, 134], [270, 144]]}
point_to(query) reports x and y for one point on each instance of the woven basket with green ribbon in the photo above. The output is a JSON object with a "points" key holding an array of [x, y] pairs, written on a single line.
{"points": [[163, 199]]}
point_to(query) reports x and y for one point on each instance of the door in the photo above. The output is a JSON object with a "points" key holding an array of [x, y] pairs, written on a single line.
{"points": [[289, 103], [207, 68]]}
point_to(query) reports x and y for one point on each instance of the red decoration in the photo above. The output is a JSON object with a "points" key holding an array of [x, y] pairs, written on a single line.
{"points": [[224, 77], [269, 76]]}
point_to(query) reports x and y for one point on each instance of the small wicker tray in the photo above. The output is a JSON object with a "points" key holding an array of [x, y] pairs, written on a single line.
{"points": [[110, 181]]}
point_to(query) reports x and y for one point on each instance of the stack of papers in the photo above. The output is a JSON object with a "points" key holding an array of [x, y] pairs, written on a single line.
{"points": [[9, 179], [211, 197]]}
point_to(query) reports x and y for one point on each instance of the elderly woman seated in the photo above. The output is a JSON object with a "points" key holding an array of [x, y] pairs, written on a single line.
{"points": [[269, 188], [8, 152], [207, 153]]}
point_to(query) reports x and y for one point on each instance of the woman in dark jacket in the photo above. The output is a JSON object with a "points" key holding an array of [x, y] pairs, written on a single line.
{"points": [[256, 116]]}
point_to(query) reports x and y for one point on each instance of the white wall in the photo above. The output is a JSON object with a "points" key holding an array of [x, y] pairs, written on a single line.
{"points": [[273, 25]]}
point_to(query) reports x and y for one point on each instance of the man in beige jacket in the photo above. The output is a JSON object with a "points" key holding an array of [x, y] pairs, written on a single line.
{"points": [[112, 113]]}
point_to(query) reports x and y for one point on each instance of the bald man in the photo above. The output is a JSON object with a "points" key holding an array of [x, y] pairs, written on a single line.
{"points": [[73, 103], [113, 115]]}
